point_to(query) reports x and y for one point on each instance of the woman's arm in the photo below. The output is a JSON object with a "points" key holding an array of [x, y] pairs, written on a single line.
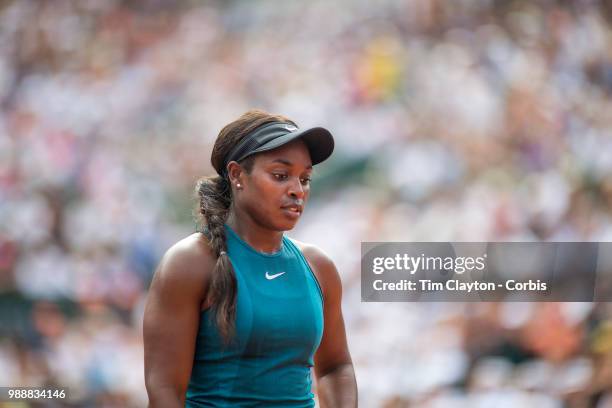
{"points": [[171, 320], [336, 383]]}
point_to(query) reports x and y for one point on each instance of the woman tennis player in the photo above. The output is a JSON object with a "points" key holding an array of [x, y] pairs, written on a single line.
{"points": [[238, 313]]}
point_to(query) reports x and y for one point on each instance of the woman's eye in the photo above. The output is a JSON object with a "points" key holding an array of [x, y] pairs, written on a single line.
{"points": [[280, 176], [306, 180]]}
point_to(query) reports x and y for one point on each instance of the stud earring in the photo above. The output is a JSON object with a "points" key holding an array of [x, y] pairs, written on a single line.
{"points": [[238, 185]]}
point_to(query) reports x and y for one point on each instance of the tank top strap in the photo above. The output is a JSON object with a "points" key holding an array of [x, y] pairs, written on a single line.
{"points": [[292, 246]]}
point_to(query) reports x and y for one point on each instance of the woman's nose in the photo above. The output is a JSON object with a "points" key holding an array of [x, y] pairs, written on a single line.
{"points": [[296, 189]]}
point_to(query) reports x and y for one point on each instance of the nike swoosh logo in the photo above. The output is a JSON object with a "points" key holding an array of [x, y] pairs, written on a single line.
{"points": [[276, 275]]}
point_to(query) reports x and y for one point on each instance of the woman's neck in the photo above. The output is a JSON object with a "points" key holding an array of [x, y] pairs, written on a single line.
{"points": [[258, 237]]}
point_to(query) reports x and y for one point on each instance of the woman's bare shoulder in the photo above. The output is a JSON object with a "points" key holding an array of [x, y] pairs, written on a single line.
{"points": [[191, 248], [186, 266], [313, 253]]}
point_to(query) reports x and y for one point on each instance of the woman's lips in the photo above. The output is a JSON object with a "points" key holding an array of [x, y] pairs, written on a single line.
{"points": [[292, 212]]}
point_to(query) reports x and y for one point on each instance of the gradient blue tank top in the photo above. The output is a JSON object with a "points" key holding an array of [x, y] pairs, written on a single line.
{"points": [[279, 324]]}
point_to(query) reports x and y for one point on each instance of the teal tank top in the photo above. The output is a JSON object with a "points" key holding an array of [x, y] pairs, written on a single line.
{"points": [[279, 325]]}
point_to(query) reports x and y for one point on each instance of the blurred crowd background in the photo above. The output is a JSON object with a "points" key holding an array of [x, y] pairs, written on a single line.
{"points": [[464, 120]]}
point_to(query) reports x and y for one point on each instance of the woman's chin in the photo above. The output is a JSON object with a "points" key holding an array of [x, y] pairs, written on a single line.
{"points": [[287, 225]]}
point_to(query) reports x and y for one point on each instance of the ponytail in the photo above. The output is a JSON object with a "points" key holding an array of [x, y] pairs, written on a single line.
{"points": [[214, 195]]}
